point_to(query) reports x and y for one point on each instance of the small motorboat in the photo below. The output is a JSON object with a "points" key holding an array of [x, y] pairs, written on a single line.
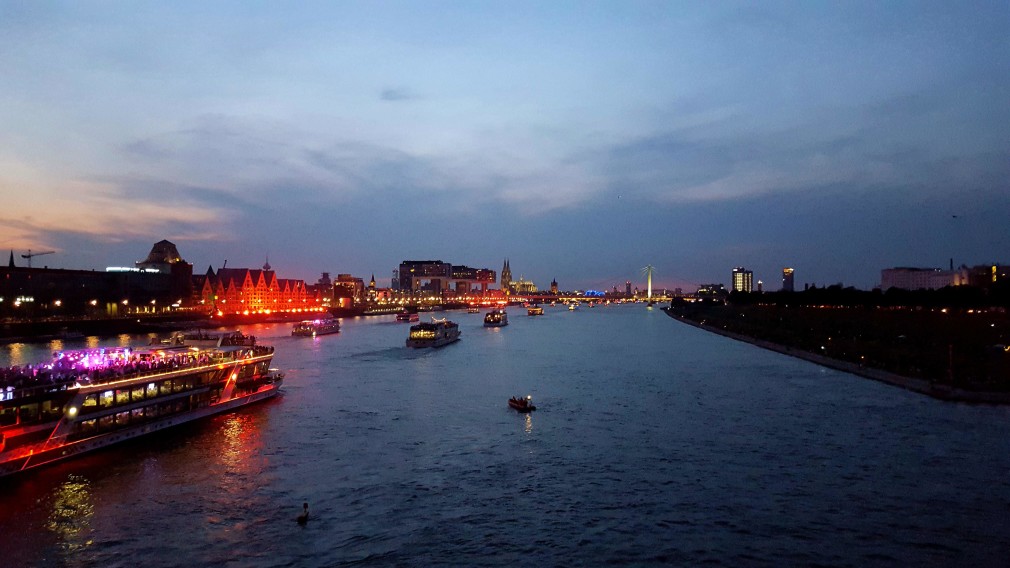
{"points": [[522, 404]]}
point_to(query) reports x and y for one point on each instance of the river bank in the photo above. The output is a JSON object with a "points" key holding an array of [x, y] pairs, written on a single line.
{"points": [[922, 386]]}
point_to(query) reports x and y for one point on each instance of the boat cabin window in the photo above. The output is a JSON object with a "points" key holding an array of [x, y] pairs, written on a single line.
{"points": [[50, 411], [122, 396], [166, 387], [8, 416], [90, 401], [137, 394], [105, 400], [29, 412]]}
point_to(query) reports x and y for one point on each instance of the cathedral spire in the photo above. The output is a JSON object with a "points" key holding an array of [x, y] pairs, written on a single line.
{"points": [[10, 264]]}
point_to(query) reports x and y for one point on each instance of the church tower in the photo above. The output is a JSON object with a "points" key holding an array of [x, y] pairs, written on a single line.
{"points": [[506, 277]]}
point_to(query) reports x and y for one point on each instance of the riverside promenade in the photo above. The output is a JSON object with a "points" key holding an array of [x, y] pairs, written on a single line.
{"points": [[922, 386]]}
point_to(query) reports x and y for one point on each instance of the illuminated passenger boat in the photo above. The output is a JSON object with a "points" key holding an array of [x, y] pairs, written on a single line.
{"points": [[88, 399], [473, 310], [534, 311], [496, 318], [435, 334], [405, 316], [312, 328]]}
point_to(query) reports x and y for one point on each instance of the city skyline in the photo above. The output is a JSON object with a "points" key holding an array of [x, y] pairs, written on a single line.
{"points": [[580, 142]]}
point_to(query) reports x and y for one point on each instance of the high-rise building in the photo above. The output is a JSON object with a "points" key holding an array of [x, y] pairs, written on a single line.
{"points": [[743, 280], [787, 280], [627, 288]]}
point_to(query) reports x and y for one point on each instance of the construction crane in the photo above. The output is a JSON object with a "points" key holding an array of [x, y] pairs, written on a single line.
{"points": [[31, 254]]}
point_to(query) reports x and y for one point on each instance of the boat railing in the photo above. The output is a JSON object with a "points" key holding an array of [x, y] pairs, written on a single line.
{"points": [[62, 380]]}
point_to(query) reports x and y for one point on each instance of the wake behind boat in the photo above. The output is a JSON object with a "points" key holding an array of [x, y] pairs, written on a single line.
{"points": [[435, 334], [87, 399]]}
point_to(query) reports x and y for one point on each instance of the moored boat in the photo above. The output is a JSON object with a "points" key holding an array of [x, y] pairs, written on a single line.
{"points": [[435, 334], [312, 328], [522, 404], [407, 317], [497, 317], [87, 399]]}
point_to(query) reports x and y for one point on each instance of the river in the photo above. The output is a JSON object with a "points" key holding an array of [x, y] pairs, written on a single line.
{"points": [[654, 443]]}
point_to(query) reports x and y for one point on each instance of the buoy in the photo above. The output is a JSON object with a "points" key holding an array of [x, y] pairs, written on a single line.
{"points": [[304, 517]]}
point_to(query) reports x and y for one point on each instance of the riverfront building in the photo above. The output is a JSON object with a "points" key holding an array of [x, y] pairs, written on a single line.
{"points": [[907, 278], [743, 280], [245, 290], [161, 282], [440, 277]]}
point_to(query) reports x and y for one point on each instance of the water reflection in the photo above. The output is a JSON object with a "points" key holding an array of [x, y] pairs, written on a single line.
{"points": [[529, 423], [70, 519], [16, 354], [91, 341], [240, 442]]}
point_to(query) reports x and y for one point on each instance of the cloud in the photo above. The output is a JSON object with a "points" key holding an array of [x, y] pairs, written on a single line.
{"points": [[396, 94]]}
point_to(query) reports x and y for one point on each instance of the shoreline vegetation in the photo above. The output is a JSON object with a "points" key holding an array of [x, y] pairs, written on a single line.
{"points": [[953, 355]]}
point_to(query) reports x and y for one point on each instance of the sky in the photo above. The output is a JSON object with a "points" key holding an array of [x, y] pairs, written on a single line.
{"points": [[580, 140]]}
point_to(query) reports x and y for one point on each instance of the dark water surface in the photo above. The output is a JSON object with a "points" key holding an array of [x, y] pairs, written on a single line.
{"points": [[654, 442]]}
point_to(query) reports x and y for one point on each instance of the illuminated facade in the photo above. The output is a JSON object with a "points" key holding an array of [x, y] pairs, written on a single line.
{"points": [[239, 290], [743, 280], [554, 286], [787, 280], [523, 286]]}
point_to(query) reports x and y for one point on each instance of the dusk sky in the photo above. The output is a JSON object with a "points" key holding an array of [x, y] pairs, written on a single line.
{"points": [[583, 141]]}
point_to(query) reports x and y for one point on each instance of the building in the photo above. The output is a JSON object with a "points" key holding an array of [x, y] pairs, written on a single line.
{"points": [[424, 275], [348, 290], [246, 290], [554, 286], [787, 280], [711, 291], [466, 280], [155, 285], [506, 278], [743, 280], [440, 277], [523, 286], [627, 288], [907, 278]]}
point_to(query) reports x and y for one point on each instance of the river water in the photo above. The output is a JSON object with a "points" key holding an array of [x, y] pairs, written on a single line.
{"points": [[654, 443]]}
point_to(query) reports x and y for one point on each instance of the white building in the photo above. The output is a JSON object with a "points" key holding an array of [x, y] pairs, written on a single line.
{"points": [[906, 278]]}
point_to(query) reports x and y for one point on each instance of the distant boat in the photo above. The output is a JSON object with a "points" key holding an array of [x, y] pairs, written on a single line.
{"points": [[407, 317], [496, 318], [522, 404], [312, 328], [473, 310], [534, 311]]}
